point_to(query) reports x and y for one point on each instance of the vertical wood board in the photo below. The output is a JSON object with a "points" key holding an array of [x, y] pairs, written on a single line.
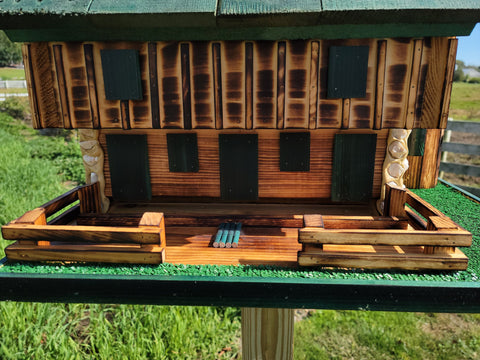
{"points": [[265, 84], [202, 87], [233, 84], [297, 84], [141, 109], [170, 80], [47, 86], [397, 80]]}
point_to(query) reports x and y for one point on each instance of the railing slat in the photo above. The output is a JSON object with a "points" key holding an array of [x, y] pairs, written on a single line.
{"points": [[464, 126], [461, 148], [471, 170]]}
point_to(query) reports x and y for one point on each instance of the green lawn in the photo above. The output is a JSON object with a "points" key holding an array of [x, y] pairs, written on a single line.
{"points": [[12, 74], [465, 101]]}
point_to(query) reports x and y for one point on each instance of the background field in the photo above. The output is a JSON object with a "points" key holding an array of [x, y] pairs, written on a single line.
{"points": [[36, 168]]}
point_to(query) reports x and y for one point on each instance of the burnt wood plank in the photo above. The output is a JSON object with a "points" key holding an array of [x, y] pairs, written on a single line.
{"points": [[140, 110], [92, 87], [186, 93], [297, 83], [31, 86], [233, 84], [415, 77], [62, 90], [170, 78], [46, 86], [202, 85], [329, 110], [153, 77], [434, 83], [314, 61], [380, 83], [281, 68], [265, 84], [397, 80], [217, 84], [108, 110], [452, 55]]}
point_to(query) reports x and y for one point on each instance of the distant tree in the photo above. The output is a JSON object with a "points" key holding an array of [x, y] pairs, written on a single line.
{"points": [[10, 53], [458, 74]]}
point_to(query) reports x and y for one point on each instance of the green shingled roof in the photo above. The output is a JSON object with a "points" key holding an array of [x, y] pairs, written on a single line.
{"points": [[30, 20]]}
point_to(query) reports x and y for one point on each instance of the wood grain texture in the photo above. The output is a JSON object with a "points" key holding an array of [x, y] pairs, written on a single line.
{"points": [[434, 83], [186, 86], [411, 179], [67, 233], [414, 80], [281, 58], [267, 334], [62, 86], [170, 85], [140, 111], [46, 88], [329, 110], [118, 253], [384, 237], [153, 78], [297, 84], [430, 161], [31, 86], [92, 86], [108, 110], [265, 84], [397, 80], [202, 85], [380, 85], [272, 183], [314, 61], [77, 85], [424, 64], [362, 110], [452, 55], [395, 199], [233, 84], [381, 257]]}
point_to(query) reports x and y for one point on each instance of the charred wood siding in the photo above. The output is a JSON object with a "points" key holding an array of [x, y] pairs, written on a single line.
{"points": [[242, 85]]}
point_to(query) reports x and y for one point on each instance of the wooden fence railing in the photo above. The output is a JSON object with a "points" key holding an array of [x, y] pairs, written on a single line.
{"points": [[470, 149]]}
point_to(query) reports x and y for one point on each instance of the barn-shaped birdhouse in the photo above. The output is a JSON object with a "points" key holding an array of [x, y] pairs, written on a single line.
{"points": [[244, 132]]}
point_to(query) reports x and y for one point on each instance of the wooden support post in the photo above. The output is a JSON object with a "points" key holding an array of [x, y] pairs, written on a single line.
{"points": [[395, 199], [440, 223], [33, 217], [267, 334]]}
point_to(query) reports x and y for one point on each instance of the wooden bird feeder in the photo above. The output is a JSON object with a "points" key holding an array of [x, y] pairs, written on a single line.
{"points": [[302, 121]]}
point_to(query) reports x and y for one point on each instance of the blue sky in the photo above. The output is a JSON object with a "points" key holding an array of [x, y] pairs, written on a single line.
{"points": [[469, 47]]}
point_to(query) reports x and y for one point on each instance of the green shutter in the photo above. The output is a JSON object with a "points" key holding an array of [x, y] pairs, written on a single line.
{"points": [[347, 71], [353, 167], [121, 74], [182, 152], [129, 170], [295, 151], [238, 166]]}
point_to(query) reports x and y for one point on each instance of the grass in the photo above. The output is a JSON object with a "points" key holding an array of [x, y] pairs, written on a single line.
{"points": [[8, 73], [465, 101]]}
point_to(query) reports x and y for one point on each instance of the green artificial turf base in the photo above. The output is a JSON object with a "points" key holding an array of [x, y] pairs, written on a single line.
{"points": [[452, 203]]}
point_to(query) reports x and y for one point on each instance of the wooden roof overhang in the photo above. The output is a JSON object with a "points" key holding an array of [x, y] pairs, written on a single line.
{"points": [[99, 20]]}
